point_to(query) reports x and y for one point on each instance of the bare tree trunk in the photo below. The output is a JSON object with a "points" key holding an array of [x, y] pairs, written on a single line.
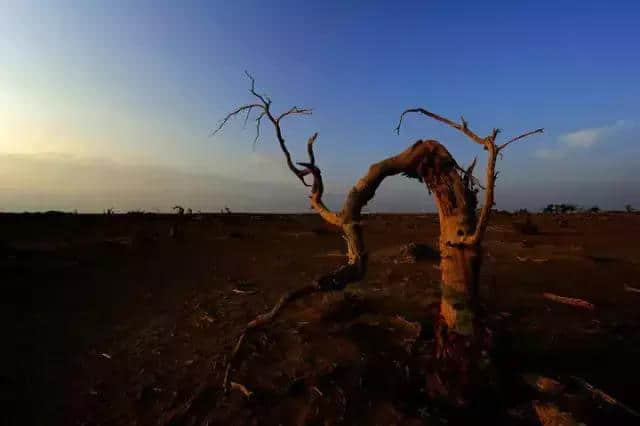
{"points": [[458, 332], [457, 326], [459, 340]]}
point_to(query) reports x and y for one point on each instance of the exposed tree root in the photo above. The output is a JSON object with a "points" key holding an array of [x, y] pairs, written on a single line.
{"points": [[242, 389], [461, 228], [334, 281]]}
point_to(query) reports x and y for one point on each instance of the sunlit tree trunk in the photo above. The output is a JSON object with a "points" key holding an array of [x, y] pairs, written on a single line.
{"points": [[462, 228]]}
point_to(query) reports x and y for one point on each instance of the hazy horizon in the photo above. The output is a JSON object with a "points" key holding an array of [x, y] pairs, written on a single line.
{"points": [[110, 105], [106, 184]]}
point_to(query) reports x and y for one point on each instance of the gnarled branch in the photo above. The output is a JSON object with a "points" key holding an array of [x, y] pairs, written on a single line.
{"points": [[317, 189], [464, 128], [493, 150], [295, 110], [265, 107], [232, 114], [408, 161]]}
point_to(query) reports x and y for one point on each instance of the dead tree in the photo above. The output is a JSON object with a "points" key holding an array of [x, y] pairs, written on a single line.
{"points": [[462, 229]]}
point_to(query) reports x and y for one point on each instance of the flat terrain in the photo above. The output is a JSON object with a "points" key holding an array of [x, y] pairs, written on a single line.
{"points": [[127, 319]]}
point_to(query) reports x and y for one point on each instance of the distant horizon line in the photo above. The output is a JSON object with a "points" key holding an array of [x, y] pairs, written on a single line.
{"points": [[248, 213]]}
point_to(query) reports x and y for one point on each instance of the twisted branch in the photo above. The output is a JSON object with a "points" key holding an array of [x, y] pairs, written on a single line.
{"points": [[493, 150], [408, 162], [462, 127], [265, 107], [232, 114], [261, 320]]}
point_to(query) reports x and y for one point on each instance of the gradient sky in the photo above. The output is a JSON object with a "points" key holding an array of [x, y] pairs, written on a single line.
{"points": [[110, 104]]}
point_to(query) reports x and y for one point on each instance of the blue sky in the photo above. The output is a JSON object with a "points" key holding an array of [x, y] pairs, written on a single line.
{"points": [[118, 87]]}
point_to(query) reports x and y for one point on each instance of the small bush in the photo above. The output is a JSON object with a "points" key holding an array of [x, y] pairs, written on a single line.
{"points": [[414, 252], [527, 227]]}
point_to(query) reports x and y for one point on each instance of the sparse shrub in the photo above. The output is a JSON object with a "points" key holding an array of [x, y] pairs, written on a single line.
{"points": [[527, 227], [560, 208], [414, 252], [628, 208]]}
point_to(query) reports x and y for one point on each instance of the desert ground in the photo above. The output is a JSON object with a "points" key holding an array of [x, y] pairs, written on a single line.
{"points": [[127, 319]]}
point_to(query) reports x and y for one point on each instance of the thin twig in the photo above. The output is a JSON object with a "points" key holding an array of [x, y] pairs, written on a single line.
{"points": [[464, 128], [517, 138], [265, 107], [232, 114]]}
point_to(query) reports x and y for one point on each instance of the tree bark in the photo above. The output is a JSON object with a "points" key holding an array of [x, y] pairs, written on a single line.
{"points": [[457, 330], [458, 336]]}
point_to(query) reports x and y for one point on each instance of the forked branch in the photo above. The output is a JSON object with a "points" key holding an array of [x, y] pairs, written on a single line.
{"points": [[317, 188], [409, 162], [264, 106], [489, 143]]}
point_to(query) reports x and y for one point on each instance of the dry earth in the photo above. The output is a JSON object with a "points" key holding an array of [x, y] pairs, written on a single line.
{"points": [[117, 320]]}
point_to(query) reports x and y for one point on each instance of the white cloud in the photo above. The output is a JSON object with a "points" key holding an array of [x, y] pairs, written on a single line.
{"points": [[588, 137], [582, 139], [548, 154]]}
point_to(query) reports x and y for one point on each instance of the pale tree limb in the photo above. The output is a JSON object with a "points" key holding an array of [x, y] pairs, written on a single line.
{"points": [[424, 159], [462, 127], [242, 389], [336, 280], [317, 189], [493, 150], [409, 161], [517, 138], [572, 301]]}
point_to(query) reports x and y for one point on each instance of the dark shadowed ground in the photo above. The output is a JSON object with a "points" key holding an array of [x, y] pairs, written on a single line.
{"points": [[109, 320]]}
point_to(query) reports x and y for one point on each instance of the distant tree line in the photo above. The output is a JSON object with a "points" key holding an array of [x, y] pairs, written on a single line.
{"points": [[572, 208]]}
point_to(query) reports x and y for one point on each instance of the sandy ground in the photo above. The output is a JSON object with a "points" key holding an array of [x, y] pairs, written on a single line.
{"points": [[112, 321]]}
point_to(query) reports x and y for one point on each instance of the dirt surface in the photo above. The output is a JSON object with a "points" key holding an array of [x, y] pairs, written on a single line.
{"points": [[127, 319]]}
